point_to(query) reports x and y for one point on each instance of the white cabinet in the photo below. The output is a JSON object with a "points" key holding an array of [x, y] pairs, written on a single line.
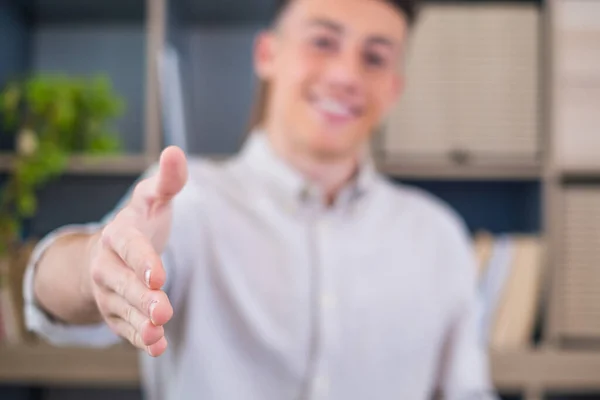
{"points": [[472, 86], [576, 84]]}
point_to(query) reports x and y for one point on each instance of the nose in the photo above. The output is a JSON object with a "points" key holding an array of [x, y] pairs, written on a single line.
{"points": [[344, 72]]}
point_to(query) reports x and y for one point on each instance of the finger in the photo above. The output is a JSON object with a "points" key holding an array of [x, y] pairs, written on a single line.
{"points": [[165, 184], [154, 304], [172, 174], [127, 331], [136, 251], [116, 306]]}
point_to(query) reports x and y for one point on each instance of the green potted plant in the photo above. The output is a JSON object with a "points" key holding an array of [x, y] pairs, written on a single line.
{"points": [[51, 117]]}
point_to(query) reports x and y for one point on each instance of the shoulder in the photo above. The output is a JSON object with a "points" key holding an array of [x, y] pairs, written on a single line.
{"points": [[444, 230], [430, 210]]}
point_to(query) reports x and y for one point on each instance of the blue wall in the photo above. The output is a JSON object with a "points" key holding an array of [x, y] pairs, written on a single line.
{"points": [[496, 206], [115, 50], [14, 41], [14, 55]]}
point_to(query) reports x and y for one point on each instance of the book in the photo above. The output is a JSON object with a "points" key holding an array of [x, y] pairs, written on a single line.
{"points": [[510, 282], [514, 321]]}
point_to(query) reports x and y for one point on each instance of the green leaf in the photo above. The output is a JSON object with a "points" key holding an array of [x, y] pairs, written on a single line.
{"points": [[9, 104], [64, 114], [107, 143], [27, 204]]}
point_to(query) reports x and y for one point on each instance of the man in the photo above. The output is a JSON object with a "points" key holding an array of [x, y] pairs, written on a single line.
{"points": [[293, 271]]}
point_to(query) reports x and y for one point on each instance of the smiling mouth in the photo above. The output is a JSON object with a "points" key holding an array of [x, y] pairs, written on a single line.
{"points": [[335, 111]]}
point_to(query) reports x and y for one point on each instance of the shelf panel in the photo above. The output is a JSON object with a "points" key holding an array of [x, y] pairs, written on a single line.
{"points": [[575, 371], [94, 165], [58, 11], [118, 367], [449, 171], [43, 364], [592, 173], [228, 11]]}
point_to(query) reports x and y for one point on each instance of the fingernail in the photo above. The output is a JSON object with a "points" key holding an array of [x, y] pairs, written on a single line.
{"points": [[147, 276], [152, 307]]}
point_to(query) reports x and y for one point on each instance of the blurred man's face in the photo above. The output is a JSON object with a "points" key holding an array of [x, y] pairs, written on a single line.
{"points": [[333, 72]]}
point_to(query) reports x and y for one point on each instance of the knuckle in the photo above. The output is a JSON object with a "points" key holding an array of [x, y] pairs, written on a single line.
{"points": [[144, 301], [96, 273], [137, 339], [132, 335], [107, 234], [127, 245], [128, 313], [121, 285]]}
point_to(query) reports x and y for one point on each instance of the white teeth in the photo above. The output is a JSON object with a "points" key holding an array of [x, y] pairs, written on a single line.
{"points": [[334, 107]]}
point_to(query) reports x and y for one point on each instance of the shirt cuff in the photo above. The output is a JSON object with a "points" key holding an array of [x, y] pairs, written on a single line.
{"points": [[38, 321]]}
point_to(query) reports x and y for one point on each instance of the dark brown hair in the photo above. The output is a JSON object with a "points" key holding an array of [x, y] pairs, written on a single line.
{"points": [[409, 8]]}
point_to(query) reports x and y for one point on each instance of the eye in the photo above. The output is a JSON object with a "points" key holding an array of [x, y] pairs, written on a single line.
{"points": [[374, 59], [324, 42]]}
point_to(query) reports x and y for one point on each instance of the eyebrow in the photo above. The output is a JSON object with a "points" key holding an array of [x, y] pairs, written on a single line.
{"points": [[381, 40], [326, 23], [337, 28]]}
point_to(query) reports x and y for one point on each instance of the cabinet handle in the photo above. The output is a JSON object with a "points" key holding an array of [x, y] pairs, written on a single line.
{"points": [[460, 156]]}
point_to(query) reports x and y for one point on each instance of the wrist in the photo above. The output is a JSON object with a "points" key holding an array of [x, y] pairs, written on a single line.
{"points": [[85, 276]]}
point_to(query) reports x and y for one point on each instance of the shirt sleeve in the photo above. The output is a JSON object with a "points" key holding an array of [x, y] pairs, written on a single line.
{"points": [[465, 365], [38, 321]]}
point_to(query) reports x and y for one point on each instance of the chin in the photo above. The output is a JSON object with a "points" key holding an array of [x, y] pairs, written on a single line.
{"points": [[327, 149]]}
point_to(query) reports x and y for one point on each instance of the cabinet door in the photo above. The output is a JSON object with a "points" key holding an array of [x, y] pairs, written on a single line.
{"points": [[580, 277], [424, 121], [498, 89], [576, 26], [472, 84]]}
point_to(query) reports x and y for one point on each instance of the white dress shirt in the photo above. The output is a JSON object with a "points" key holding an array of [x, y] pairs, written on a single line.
{"points": [[277, 296]]}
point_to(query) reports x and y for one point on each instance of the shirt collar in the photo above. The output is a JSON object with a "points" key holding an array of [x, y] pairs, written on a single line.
{"points": [[258, 154]]}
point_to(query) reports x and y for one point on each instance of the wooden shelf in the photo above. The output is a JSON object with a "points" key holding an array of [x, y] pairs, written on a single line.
{"points": [[580, 173], [227, 12], [551, 370], [91, 165], [43, 364], [449, 171], [79, 11], [513, 371]]}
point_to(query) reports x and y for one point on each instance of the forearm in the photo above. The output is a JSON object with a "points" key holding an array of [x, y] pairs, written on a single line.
{"points": [[61, 281]]}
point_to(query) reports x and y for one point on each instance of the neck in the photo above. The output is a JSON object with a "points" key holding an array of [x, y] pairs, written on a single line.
{"points": [[330, 175]]}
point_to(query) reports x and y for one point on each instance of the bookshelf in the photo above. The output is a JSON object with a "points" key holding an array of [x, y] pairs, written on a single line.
{"points": [[573, 171]]}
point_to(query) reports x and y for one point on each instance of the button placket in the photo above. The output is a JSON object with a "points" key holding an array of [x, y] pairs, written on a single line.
{"points": [[327, 304]]}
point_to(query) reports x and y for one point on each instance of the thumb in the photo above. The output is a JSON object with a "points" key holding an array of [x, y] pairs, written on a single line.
{"points": [[172, 174], [161, 187]]}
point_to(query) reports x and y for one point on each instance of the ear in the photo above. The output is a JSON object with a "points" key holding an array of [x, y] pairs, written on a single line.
{"points": [[264, 55]]}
